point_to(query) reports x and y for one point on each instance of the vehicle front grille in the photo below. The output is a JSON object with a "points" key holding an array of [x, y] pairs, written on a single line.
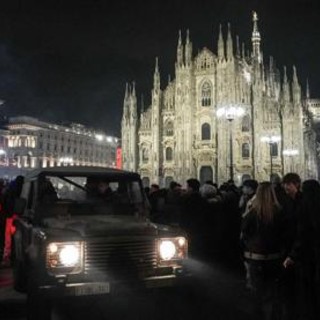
{"points": [[120, 259]]}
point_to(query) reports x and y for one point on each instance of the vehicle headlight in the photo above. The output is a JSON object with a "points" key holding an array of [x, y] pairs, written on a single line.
{"points": [[167, 249], [65, 257], [172, 249]]}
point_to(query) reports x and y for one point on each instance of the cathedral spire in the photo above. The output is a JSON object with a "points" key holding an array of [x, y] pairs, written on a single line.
{"points": [[285, 78], [133, 101], [271, 64], [133, 93], [179, 51], [142, 103], [307, 90], [243, 51], [126, 95], [296, 90], [229, 44], [188, 37], [238, 46], [256, 38], [285, 86], [156, 76], [126, 103], [221, 55], [188, 50], [295, 77]]}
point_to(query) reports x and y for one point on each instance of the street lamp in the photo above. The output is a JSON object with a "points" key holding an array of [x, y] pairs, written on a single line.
{"points": [[271, 140], [230, 112]]}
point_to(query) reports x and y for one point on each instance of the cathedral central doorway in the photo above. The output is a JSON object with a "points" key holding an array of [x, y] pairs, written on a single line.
{"points": [[206, 174]]}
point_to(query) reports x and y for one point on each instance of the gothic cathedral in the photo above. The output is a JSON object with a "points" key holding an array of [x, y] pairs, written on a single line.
{"points": [[225, 116]]}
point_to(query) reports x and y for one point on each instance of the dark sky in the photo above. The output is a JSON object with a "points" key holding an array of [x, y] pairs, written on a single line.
{"points": [[69, 60]]}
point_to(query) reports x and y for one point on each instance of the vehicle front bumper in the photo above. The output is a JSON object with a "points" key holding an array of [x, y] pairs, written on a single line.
{"points": [[111, 288]]}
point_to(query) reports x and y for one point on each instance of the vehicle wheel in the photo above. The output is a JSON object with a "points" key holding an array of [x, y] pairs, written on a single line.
{"points": [[19, 275], [38, 307]]}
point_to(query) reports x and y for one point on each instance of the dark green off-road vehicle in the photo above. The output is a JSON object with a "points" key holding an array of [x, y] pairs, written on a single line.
{"points": [[85, 231]]}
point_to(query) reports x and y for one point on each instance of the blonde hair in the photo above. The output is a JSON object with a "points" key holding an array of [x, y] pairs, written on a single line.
{"points": [[265, 203]]}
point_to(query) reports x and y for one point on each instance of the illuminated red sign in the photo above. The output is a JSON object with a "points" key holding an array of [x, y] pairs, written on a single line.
{"points": [[119, 158]]}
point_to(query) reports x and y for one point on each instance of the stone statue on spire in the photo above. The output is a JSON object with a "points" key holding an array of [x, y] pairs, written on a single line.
{"points": [[254, 16]]}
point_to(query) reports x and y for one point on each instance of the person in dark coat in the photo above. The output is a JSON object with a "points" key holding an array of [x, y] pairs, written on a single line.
{"points": [[292, 206], [212, 232], [193, 208], [305, 253], [172, 204], [263, 234]]}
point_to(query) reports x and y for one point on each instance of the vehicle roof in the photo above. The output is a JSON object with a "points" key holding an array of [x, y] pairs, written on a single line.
{"points": [[80, 170]]}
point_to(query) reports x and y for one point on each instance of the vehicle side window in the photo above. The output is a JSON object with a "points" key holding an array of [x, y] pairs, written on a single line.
{"points": [[25, 190], [135, 192]]}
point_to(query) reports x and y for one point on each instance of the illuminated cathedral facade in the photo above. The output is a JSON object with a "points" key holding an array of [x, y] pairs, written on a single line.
{"points": [[225, 115]]}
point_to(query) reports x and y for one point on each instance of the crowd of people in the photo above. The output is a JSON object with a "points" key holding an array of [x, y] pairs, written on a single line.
{"points": [[272, 228]]}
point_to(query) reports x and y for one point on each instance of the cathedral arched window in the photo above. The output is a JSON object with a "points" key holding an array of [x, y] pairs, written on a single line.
{"points": [[245, 127], [245, 150], [145, 155], [169, 128], [206, 94], [206, 131], [274, 149], [169, 154]]}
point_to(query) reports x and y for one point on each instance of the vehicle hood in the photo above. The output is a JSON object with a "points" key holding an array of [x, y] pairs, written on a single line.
{"points": [[105, 226]]}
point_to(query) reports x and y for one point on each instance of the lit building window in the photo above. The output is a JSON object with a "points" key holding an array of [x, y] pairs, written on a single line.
{"points": [[169, 154], [274, 149], [245, 150], [169, 128], [245, 123], [206, 93], [206, 131], [145, 155]]}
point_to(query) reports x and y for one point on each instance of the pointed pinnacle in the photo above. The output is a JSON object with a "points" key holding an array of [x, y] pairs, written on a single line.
{"points": [[133, 88], [127, 90], [157, 65], [307, 89], [295, 76], [285, 79]]}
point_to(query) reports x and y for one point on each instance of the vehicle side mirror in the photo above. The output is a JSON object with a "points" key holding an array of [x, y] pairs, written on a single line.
{"points": [[19, 206]]}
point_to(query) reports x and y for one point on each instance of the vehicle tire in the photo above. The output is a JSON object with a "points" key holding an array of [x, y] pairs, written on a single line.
{"points": [[19, 275], [38, 307]]}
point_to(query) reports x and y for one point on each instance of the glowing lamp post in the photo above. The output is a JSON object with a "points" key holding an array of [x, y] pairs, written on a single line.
{"points": [[271, 140], [230, 112]]}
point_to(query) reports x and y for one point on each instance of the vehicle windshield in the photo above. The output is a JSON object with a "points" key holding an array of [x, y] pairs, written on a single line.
{"points": [[89, 196]]}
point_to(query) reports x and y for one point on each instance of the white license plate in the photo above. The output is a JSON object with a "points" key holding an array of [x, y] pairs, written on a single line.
{"points": [[92, 289]]}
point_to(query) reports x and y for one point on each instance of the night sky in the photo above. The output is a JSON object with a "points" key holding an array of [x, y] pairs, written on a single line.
{"points": [[69, 60]]}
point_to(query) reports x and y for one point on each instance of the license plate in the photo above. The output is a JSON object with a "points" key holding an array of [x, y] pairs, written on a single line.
{"points": [[92, 289]]}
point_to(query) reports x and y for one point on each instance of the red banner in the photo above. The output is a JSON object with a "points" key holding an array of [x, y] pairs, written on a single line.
{"points": [[119, 158]]}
